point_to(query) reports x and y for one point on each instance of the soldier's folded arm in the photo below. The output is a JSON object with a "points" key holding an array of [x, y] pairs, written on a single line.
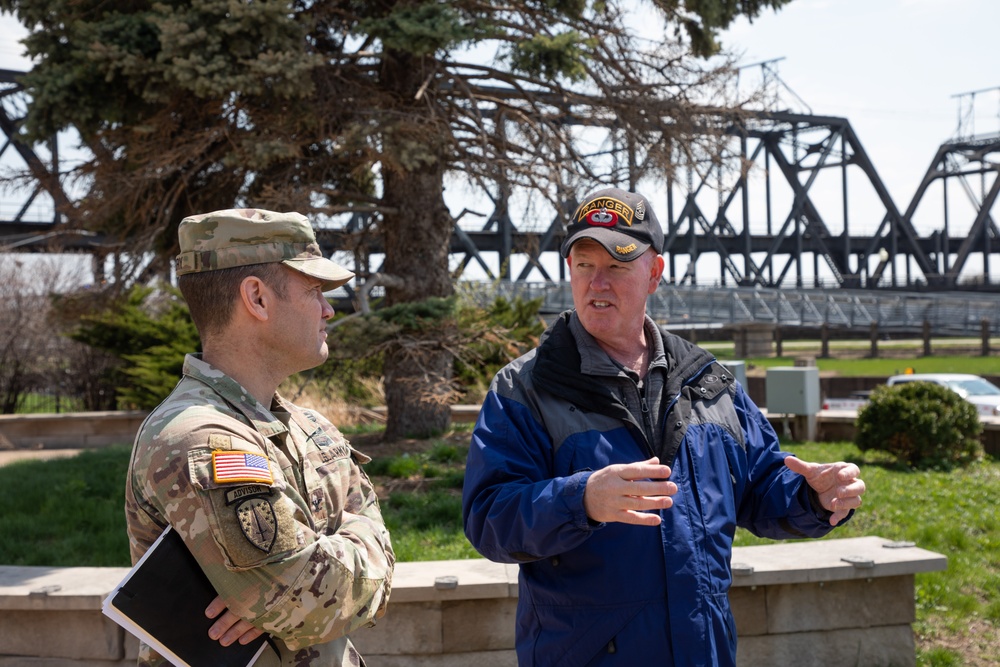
{"points": [[274, 563], [314, 587]]}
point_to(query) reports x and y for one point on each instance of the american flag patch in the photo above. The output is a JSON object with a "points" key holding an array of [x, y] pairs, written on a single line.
{"points": [[228, 466]]}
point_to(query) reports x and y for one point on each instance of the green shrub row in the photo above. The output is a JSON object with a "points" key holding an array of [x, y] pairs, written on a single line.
{"points": [[148, 331]]}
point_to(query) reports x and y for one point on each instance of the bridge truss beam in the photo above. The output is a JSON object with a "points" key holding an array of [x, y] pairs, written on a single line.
{"points": [[776, 219]]}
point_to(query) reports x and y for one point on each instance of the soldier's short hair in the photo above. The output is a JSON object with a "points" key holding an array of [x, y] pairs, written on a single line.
{"points": [[212, 295]]}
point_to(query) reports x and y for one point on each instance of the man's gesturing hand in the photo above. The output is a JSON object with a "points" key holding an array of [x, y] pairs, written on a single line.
{"points": [[836, 484], [622, 491]]}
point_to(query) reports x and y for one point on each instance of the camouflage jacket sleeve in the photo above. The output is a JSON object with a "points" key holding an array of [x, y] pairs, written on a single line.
{"points": [[297, 547]]}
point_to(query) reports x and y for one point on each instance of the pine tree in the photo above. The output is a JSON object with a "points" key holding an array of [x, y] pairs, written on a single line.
{"points": [[327, 106]]}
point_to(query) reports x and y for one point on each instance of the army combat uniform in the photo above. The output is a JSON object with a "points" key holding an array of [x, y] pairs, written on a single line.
{"points": [[275, 508]]}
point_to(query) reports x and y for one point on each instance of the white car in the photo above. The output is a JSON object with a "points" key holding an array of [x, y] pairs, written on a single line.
{"points": [[980, 392]]}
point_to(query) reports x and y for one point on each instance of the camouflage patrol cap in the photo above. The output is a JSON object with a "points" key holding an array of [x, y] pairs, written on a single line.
{"points": [[240, 237]]}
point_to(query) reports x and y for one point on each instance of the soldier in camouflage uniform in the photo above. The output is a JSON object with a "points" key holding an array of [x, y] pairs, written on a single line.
{"points": [[268, 496]]}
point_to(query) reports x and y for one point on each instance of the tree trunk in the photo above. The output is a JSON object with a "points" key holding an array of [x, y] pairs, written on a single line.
{"points": [[417, 237], [415, 399], [417, 234]]}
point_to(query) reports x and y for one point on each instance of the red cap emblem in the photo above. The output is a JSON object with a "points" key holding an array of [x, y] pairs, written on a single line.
{"points": [[602, 217]]}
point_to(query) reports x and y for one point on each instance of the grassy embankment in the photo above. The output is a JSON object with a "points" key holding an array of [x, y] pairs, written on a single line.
{"points": [[68, 512]]}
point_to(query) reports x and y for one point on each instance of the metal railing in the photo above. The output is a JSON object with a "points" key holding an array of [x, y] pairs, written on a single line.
{"points": [[947, 314]]}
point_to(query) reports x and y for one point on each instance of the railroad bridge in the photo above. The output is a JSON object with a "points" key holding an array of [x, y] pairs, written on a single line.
{"points": [[778, 215]]}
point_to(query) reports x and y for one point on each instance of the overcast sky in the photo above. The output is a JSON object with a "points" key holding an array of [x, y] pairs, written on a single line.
{"points": [[891, 67]]}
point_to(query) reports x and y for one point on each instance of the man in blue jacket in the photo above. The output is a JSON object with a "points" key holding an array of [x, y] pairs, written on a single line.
{"points": [[614, 461]]}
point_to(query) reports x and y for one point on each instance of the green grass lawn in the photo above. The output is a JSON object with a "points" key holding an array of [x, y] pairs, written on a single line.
{"points": [[65, 512], [69, 512], [887, 367], [849, 358], [951, 513], [35, 403]]}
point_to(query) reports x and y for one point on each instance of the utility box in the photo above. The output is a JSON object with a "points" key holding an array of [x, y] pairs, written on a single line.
{"points": [[793, 391], [738, 369]]}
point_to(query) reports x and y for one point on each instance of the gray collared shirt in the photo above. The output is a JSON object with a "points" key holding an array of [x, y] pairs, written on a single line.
{"points": [[646, 403]]}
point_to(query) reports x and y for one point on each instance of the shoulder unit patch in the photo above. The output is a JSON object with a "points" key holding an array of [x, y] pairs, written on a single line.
{"points": [[258, 522]]}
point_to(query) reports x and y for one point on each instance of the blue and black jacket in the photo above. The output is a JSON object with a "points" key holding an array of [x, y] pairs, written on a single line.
{"points": [[618, 594]]}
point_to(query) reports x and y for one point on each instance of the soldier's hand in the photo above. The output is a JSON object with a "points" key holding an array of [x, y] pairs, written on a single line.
{"points": [[229, 627], [624, 491]]}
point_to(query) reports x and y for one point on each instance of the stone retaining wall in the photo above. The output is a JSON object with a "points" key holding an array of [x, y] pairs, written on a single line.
{"points": [[822, 602], [69, 430], [97, 429]]}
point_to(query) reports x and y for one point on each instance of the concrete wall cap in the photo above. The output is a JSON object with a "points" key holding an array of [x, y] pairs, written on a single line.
{"points": [[832, 560], [46, 588]]}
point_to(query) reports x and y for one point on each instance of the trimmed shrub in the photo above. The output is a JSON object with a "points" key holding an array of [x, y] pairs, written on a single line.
{"points": [[925, 425]]}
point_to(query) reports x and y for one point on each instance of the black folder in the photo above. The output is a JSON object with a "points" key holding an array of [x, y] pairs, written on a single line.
{"points": [[162, 601]]}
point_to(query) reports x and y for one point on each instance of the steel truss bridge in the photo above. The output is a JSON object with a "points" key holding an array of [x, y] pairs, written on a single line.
{"points": [[795, 201]]}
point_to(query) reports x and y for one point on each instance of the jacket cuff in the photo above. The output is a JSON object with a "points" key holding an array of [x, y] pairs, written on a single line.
{"points": [[575, 490], [821, 512]]}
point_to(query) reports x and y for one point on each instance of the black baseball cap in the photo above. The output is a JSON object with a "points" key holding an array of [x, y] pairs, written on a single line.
{"points": [[621, 221]]}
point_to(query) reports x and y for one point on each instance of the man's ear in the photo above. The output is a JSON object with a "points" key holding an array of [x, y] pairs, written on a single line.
{"points": [[255, 297], [656, 272]]}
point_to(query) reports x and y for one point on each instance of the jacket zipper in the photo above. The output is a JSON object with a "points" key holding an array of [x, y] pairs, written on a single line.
{"points": [[646, 425]]}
